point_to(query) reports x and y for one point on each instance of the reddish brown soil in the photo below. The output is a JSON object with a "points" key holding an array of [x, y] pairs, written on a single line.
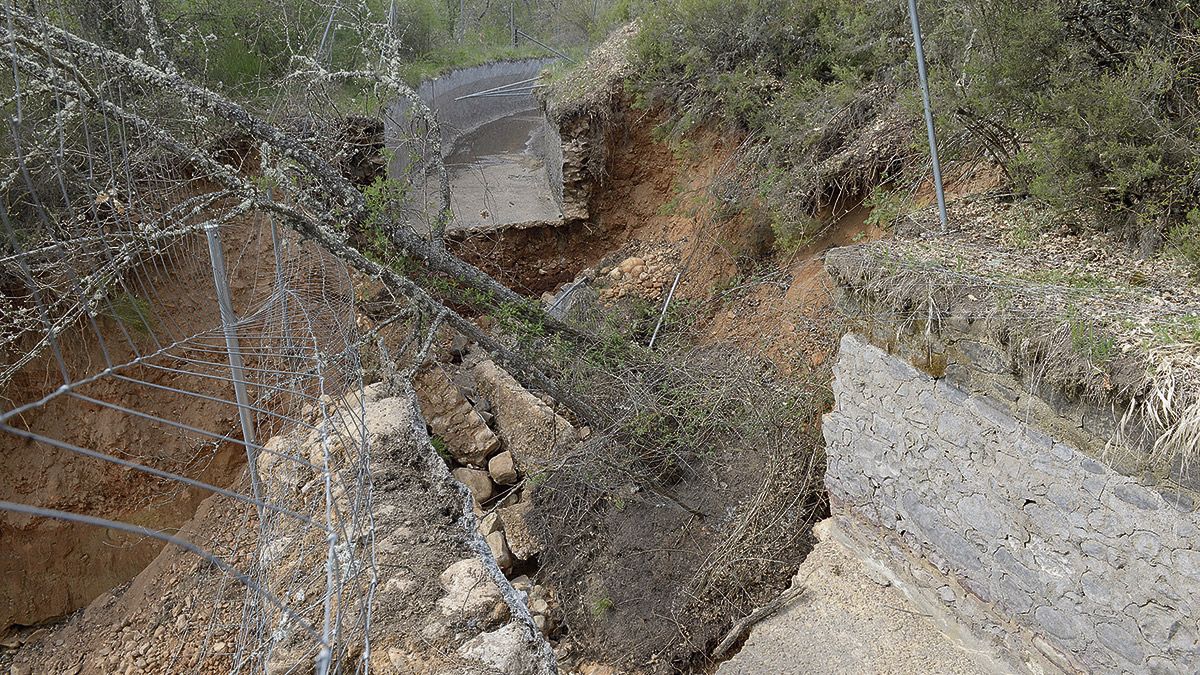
{"points": [[49, 568], [657, 198], [650, 196]]}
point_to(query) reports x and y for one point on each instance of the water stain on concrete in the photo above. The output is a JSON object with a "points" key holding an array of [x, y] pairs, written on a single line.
{"points": [[497, 177]]}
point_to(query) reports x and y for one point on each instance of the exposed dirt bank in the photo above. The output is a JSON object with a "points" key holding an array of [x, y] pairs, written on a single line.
{"points": [[658, 197], [630, 574], [50, 568]]}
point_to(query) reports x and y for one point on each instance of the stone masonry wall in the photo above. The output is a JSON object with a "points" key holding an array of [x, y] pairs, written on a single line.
{"points": [[1025, 538]]}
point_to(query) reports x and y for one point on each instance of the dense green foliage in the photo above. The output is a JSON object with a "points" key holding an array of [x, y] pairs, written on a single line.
{"points": [[1087, 105], [245, 46], [767, 64]]}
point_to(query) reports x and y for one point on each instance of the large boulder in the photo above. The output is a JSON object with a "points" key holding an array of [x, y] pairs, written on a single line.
{"points": [[468, 438], [503, 469], [522, 541], [471, 592], [507, 649], [531, 430], [498, 544], [478, 482]]}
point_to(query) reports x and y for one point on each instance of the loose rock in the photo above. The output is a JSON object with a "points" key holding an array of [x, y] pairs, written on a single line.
{"points": [[499, 547], [503, 469], [478, 482]]}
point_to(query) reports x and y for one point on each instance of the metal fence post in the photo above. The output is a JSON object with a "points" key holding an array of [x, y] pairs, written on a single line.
{"points": [[937, 168], [512, 21], [236, 365]]}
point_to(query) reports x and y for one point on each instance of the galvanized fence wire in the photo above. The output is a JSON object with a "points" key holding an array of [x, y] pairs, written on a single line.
{"points": [[156, 327]]}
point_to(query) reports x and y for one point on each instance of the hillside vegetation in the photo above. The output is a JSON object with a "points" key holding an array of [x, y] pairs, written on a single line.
{"points": [[247, 46], [1087, 108]]}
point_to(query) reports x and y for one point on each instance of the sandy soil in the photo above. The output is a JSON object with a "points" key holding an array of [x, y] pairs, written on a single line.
{"points": [[50, 568]]}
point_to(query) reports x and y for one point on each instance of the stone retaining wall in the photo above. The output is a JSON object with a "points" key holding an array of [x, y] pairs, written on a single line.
{"points": [[1030, 540]]}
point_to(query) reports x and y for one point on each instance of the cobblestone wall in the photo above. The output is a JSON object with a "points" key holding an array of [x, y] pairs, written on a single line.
{"points": [[1026, 538]]}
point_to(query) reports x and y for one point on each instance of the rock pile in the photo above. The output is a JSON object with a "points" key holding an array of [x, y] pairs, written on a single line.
{"points": [[183, 614], [465, 431], [494, 433], [644, 276], [540, 602]]}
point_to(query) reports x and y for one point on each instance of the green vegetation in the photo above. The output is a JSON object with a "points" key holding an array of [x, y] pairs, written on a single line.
{"points": [[601, 606], [439, 446], [1177, 330], [1088, 108], [246, 44], [129, 310], [1184, 238], [245, 47], [1088, 339], [384, 198], [793, 230], [887, 206]]}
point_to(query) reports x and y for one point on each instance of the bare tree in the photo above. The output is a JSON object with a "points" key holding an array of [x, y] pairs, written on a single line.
{"points": [[173, 121]]}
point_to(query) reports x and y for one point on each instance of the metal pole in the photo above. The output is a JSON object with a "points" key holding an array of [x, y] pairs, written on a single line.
{"points": [[512, 21], [937, 167], [663, 314], [545, 46], [280, 287], [502, 88], [229, 324]]}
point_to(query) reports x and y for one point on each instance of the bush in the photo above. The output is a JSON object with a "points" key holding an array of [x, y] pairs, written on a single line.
{"points": [[804, 87], [422, 25], [1184, 239], [1087, 106]]}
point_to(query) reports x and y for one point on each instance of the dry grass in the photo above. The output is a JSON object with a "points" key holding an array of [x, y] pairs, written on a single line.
{"points": [[691, 503], [590, 87], [1076, 309]]}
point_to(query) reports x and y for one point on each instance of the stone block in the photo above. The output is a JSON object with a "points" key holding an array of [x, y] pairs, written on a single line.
{"points": [[1009, 596], [468, 438], [502, 469], [478, 482], [498, 544], [1136, 495], [531, 430], [1085, 561], [522, 539], [1065, 626]]}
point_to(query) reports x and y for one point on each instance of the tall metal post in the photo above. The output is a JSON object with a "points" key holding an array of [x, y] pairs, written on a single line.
{"points": [[284, 326], [512, 21], [236, 365], [933, 153]]}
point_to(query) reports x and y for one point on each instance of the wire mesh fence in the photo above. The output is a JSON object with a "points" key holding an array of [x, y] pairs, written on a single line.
{"points": [[164, 341], [146, 352]]}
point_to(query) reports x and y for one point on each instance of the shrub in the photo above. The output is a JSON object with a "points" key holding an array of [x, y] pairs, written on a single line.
{"points": [[1184, 239], [421, 25], [1087, 106]]}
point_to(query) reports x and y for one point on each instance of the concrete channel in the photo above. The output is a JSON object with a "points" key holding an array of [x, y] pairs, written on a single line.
{"points": [[496, 150]]}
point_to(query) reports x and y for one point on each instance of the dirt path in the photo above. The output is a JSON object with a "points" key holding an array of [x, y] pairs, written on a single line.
{"points": [[846, 622]]}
